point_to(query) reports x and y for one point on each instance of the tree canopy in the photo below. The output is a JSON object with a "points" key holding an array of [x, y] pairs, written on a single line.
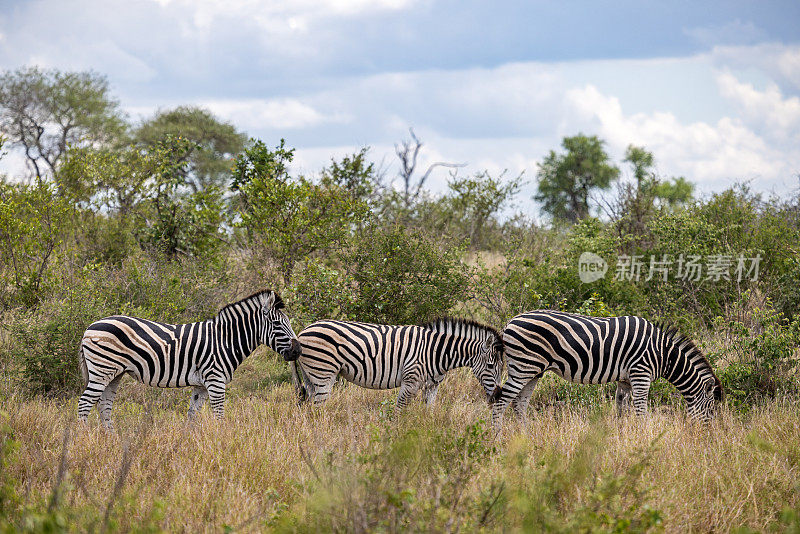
{"points": [[566, 180], [47, 111], [215, 142]]}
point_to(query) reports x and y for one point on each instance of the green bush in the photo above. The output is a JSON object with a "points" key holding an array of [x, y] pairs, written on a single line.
{"points": [[763, 355], [403, 276], [567, 494], [32, 226], [408, 479], [45, 341], [291, 218], [319, 291], [550, 279]]}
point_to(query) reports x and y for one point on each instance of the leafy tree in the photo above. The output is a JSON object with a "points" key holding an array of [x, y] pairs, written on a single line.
{"points": [[32, 219], [639, 201], [290, 218], [108, 180], [473, 202], [149, 187], [671, 193], [403, 276], [47, 111], [179, 222], [214, 143], [354, 174], [566, 180], [674, 192]]}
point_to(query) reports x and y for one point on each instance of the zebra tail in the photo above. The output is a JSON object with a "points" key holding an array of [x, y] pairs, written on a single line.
{"points": [[84, 369], [298, 377]]}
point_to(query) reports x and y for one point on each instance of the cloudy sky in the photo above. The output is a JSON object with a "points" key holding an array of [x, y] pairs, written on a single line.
{"points": [[712, 87]]}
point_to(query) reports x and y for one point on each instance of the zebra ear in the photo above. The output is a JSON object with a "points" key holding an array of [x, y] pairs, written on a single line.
{"points": [[268, 303]]}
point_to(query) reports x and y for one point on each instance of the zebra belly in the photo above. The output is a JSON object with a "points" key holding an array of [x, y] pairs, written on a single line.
{"points": [[587, 376], [367, 380]]}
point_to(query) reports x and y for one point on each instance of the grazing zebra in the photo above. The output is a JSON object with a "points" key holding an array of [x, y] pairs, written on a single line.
{"points": [[203, 355], [385, 357], [592, 350]]}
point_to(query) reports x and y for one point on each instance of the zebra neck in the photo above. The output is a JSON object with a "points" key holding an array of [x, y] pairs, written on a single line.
{"points": [[456, 352], [682, 372], [235, 340]]}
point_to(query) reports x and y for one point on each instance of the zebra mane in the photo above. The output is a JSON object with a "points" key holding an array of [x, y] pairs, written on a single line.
{"points": [[675, 339], [464, 327], [278, 305]]}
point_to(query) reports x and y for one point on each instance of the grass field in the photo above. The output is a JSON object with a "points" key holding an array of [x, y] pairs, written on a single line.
{"points": [[350, 465]]}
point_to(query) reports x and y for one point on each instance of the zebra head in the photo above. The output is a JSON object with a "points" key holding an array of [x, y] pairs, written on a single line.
{"points": [[702, 403], [691, 373], [276, 332], [488, 366]]}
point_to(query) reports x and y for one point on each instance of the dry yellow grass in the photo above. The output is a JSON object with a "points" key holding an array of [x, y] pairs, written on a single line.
{"points": [[241, 471]]}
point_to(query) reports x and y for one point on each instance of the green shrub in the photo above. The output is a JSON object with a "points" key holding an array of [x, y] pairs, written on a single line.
{"points": [[407, 479], [763, 355], [403, 276], [32, 225], [567, 494], [46, 342], [319, 291], [291, 218]]}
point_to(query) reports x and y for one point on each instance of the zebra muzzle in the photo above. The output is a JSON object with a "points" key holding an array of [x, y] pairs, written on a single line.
{"points": [[294, 351], [495, 396]]}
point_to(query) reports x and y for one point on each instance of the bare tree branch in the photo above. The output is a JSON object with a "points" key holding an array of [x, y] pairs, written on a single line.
{"points": [[408, 152]]}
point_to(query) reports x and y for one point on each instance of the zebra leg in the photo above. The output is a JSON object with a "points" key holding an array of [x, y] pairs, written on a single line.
{"points": [[431, 388], [408, 390], [92, 393], [430, 394], [623, 397], [216, 395], [107, 401], [319, 389], [199, 396], [511, 390], [640, 387], [520, 404]]}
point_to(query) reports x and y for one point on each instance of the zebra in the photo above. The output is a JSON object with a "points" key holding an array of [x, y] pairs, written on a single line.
{"points": [[592, 350], [411, 357], [203, 355]]}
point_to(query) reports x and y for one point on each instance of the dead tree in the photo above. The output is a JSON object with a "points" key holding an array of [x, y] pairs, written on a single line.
{"points": [[408, 151]]}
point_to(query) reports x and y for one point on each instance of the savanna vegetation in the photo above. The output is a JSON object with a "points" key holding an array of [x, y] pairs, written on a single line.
{"points": [[176, 216]]}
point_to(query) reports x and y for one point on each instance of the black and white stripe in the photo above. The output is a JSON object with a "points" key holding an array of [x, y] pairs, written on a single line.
{"points": [[384, 357], [203, 355], [595, 350]]}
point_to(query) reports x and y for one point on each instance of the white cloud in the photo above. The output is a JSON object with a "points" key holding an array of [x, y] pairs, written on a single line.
{"points": [[779, 62], [276, 15], [509, 117], [711, 154], [767, 110], [285, 113], [275, 69]]}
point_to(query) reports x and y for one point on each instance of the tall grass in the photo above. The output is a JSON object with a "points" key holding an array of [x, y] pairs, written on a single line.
{"points": [[351, 465]]}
